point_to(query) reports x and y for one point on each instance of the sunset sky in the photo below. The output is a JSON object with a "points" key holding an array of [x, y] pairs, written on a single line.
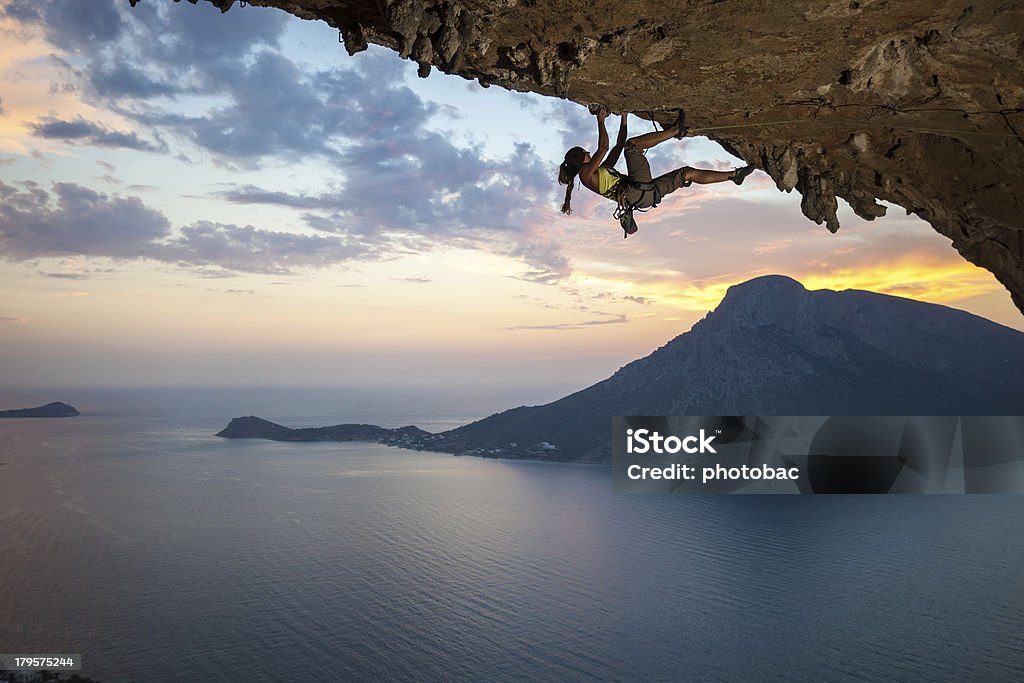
{"points": [[191, 198]]}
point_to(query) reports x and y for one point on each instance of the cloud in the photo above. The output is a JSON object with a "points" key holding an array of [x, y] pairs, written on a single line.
{"points": [[154, 49], [79, 25], [3, 112], [87, 132], [66, 276], [22, 10], [201, 37], [268, 107], [214, 273], [247, 248], [571, 326], [118, 79], [576, 126], [643, 301], [404, 179], [9, 320], [74, 220], [250, 194], [399, 184]]}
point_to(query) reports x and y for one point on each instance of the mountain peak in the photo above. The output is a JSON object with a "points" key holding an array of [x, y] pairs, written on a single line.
{"points": [[766, 287], [771, 347], [766, 300]]}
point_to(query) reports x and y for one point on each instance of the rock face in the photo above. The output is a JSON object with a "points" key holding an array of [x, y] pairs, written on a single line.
{"points": [[773, 348], [56, 409], [916, 102]]}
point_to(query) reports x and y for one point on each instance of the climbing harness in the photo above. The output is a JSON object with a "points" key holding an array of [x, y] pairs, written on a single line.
{"points": [[624, 209]]}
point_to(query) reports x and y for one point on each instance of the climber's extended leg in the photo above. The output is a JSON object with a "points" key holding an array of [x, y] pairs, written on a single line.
{"points": [[682, 177], [702, 177]]}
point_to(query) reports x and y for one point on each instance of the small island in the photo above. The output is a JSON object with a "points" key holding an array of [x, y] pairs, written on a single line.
{"points": [[257, 428], [56, 409], [409, 438]]}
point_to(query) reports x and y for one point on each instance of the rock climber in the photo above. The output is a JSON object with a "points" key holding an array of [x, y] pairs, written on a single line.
{"points": [[636, 189]]}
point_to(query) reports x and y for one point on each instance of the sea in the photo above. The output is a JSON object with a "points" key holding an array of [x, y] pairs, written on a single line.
{"points": [[133, 536]]}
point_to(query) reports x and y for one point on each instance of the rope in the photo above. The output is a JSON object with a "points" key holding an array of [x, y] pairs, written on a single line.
{"points": [[917, 129]]}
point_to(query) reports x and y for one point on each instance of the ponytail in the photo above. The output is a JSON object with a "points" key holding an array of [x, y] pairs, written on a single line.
{"points": [[567, 177], [567, 173]]}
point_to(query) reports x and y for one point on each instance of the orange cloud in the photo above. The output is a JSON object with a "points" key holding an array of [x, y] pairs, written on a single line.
{"points": [[910, 276], [924, 281]]}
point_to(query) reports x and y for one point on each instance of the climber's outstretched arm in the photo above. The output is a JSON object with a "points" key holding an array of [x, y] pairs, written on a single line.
{"points": [[613, 155], [589, 170]]}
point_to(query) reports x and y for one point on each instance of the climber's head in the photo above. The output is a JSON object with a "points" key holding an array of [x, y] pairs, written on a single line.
{"points": [[574, 160], [567, 172]]}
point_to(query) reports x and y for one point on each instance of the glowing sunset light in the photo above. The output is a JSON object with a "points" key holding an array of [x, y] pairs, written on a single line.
{"points": [[238, 191]]}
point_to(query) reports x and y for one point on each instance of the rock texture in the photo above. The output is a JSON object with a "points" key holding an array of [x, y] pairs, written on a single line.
{"points": [[916, 102]]}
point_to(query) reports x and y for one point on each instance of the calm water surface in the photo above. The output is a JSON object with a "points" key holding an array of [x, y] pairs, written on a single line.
{"points": [[159, 552]]}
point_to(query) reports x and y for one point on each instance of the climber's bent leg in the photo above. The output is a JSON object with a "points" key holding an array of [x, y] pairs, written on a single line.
{"points": [[648, 140], [637, 166]]}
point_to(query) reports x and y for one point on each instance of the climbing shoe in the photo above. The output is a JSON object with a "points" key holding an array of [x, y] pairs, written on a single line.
{"points": [[680, 125], [595, 108], [742, 173]]}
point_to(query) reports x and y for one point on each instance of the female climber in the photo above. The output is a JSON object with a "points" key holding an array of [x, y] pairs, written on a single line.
{"points": [[637, 189]]}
